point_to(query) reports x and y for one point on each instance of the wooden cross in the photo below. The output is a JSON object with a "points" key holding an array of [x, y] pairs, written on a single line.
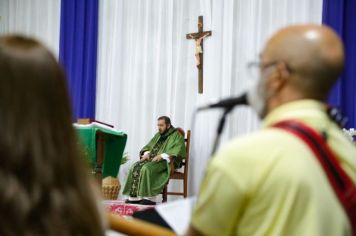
{"points": [[199, 37]]}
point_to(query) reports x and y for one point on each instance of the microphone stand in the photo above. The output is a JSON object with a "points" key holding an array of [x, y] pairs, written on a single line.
{"points": [[220, 129]]}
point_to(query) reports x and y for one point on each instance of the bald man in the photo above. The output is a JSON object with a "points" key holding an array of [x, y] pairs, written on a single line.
{"points": [[269, 182]]}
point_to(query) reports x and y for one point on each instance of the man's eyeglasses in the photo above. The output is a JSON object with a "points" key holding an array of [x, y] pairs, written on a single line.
{"points": [[254, 68]]}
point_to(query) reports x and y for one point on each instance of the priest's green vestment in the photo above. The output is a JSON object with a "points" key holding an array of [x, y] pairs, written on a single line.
{"points": [[148, 178]]}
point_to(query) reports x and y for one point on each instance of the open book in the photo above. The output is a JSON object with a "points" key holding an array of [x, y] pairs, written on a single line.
{"points": [[175, 215], [96, 125]]}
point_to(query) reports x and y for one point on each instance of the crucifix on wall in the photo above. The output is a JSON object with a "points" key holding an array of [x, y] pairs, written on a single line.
{"points": [[199, 37]]}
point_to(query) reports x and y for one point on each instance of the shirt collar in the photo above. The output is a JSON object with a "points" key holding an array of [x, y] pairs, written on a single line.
{"points": [[305, 110]]}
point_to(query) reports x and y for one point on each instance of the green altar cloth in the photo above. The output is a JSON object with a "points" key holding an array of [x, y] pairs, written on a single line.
{"points": [[114, 145]]}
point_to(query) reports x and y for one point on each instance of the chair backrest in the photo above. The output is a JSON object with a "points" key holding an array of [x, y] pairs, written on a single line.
{"points": [[181, 131]]}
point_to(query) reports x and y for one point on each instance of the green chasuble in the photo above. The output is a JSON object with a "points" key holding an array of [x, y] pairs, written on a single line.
{"points": [[148, 178]]}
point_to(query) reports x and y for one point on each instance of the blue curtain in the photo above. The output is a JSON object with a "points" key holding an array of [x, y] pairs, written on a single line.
{"points": [[340, 15], [78, 52]]}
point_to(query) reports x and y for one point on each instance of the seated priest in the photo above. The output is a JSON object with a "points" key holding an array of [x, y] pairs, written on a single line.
{"points": [[149, 176]]}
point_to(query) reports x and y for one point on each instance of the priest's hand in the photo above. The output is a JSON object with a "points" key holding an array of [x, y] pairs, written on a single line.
{"points": [[157, 158], [145, 156]]}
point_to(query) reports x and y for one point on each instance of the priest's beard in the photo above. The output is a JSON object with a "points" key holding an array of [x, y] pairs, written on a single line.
{"points": [[164, 131]]}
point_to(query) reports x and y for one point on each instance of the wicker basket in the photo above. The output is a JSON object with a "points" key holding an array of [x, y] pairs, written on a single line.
{"points": [[110, 188]]}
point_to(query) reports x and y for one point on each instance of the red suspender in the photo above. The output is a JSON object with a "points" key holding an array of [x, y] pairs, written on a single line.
{"points": [[342, 184]]}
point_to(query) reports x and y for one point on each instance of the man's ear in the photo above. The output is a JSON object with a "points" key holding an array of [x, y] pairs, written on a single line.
{"points": [[279, 78], [283, 70]]}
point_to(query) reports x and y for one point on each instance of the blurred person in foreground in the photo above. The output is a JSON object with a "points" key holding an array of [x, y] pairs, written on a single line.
{"points": [[269, 182], [44, 185]]}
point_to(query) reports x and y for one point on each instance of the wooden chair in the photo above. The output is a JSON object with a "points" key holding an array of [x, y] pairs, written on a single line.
{"points": [[177, 175]]}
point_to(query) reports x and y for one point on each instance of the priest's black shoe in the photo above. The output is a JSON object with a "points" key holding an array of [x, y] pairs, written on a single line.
{"points": [[133, 202], [147, 202]]}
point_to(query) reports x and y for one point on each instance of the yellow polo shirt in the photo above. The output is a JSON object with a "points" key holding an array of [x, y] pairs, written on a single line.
{"points": [[270, 183]]}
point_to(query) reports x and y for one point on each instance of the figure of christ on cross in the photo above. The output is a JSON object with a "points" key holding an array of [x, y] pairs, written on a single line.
{"points": [[198, 48], [199, 37]]}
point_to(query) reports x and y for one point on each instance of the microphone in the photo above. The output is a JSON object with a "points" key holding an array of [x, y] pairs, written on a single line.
{"points": [[227, 103]]}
